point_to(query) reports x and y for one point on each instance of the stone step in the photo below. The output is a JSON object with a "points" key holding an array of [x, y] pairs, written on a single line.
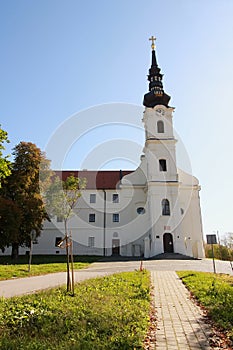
{"points": [[172, 256]]}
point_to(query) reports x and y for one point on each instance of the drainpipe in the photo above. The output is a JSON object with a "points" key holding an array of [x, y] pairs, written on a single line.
{"points": [[104, 232]]}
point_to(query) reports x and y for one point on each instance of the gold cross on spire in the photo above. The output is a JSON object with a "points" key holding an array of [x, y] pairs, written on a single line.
{"points": [[153, 38]]}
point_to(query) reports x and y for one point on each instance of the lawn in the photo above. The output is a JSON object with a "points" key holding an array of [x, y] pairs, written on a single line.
{"points": [[41, 264], [215, 293], [110, 313]]}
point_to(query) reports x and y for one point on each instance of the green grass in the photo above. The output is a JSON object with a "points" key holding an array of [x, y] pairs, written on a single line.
{"points": [[215, 293], [109, 313], [41, 265]]}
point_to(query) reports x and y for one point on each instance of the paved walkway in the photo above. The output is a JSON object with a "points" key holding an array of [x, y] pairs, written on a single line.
{"points": [[180, 323]]}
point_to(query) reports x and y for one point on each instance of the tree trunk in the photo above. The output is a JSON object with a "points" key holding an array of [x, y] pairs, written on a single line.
{"points": [[15, 251], [68, 282]]}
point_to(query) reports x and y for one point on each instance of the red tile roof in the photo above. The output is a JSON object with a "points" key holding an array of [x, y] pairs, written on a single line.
{"points": [[103, 179]]}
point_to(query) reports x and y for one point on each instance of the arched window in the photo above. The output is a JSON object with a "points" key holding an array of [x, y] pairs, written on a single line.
{"points": [[160, 126], [162, 165], [165, 207]]}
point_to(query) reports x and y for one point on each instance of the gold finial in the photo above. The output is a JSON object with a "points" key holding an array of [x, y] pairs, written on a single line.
{"points": [[153, 38]]}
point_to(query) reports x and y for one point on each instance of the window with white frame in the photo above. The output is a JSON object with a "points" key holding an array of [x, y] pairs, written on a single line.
{"points": [[59, 218], [165, 207], [91, 217], [91, 242], [115, 198], [57, 241], [115, 217], [162, 165], [160, 126], [92, 198]]}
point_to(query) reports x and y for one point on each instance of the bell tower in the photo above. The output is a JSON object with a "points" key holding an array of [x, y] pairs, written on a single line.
{"points": [[160, 156], [159, 137]]}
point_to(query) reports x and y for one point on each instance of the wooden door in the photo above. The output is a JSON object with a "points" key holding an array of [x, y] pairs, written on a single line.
{"points": [[168, 243], [115, 247]]}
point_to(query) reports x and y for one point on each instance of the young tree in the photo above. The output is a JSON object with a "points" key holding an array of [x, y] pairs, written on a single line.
{"points": [[22, 187], [61, 198], [4, 161]]}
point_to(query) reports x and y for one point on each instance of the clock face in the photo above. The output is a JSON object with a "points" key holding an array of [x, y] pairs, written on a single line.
{"points": [[160, 112]]}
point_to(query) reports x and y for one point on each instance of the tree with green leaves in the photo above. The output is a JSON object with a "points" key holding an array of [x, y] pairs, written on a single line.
{"points": [[22, 188], [61, 199], [4, 161], [62, 196], [10, 220]]}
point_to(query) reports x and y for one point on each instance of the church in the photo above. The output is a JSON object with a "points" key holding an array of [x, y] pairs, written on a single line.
{"points": [[143, 213]]}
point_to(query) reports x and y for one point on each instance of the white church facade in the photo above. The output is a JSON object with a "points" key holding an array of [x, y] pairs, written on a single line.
{"points": [[152, 210]]}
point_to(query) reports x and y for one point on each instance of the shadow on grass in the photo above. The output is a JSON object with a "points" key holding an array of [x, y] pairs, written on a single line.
{"points": [[45, 259]]}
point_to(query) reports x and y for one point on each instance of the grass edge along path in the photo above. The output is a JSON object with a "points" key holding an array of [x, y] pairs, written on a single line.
{"points": [[41, 265], [214, 292], [106, 313]]}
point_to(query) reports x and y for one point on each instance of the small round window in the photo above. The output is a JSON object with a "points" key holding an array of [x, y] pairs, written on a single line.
{"points": [[140, 210]]}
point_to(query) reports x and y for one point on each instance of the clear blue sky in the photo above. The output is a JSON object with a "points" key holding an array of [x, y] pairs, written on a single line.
{"points": [[59, 57]]}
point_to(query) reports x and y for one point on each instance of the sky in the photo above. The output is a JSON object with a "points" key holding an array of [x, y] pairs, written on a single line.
{"points": [[65, 60]]}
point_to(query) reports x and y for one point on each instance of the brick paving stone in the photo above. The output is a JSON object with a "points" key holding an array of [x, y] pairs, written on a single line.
{"points": [[171, 298], [180, 322]]}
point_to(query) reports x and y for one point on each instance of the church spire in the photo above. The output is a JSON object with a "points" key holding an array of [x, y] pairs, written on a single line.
{"points": [[156, 94]]}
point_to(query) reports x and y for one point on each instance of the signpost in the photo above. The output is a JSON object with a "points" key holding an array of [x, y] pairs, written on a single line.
{"points": [[211, 239]]}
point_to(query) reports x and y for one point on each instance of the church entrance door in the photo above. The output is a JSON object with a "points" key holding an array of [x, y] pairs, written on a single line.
{"points": [[115, 247], [168, 243]]}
